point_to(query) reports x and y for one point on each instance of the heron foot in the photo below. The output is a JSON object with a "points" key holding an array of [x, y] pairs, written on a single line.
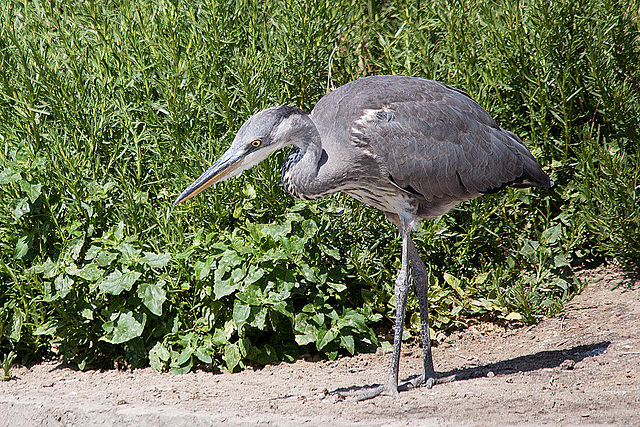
{"points": [[370, 393], [391, 390], [429, 382]]}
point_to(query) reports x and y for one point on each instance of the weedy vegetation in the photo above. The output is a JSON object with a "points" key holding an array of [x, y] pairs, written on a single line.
{"points": [[108, 109]]}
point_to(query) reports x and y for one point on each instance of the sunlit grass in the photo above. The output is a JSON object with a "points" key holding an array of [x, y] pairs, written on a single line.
{"points": [[107, 111]]}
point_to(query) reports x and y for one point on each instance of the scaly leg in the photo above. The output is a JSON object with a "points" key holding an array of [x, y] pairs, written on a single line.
{"points": [[402, 285], [421, 282]]}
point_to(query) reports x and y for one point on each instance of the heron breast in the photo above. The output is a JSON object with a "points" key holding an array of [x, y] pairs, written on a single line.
{"points": [[382, 197]]}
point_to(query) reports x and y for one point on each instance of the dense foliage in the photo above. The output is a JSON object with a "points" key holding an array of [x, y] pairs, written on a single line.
{"points": [[108, 109]]}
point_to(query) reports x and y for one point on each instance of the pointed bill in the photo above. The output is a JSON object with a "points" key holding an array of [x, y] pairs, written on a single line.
{"points": [[225, 167]]}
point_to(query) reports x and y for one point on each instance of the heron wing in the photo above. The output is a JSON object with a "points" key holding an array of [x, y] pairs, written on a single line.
{"points": [[448, 148]]}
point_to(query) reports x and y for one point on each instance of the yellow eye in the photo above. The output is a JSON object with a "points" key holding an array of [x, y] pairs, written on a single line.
{"points": [[256, 143]]}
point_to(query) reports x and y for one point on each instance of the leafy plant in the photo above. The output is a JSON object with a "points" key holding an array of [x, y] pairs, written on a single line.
{"points": [[7, 362], [110, 109]]}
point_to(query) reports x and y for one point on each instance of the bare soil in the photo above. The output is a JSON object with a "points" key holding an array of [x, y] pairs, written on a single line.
{"points": [[580, 367]]}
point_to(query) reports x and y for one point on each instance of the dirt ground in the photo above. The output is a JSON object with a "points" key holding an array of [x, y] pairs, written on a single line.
{"points": [[580, 367]]}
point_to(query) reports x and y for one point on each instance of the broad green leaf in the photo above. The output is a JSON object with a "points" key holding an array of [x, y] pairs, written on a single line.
{"points": [[325, 338], [560, 261], [309, 227], [76, 247], [16, 325], [551, 234], [351, 318], [251, 294], [241, 313], [231, 356], [92, 252], [49, 269], [22, 246], [259, 317], [347, 342], [117, 282], [130, 254], [244, 345], [152, 296], [88, 208], [272, 255], [304, 339], [154, 260], [254, 274], [339, 287], [331, 251], [318, 318], [228, 260], [294, 217], [219, 338], [63, 285], [276, 231], [158, 357], [561, 283], [33, 190], [204, 354], [529, 248], [294, 245], [89, 272], [20, 207], [238, 274], [284, 308], [203, 268], [454, 282], [128, 326], [8, 175], [223, 288], [48, 328], [181, 369], [118, 231], [184, 356], [105, 258], [307, 272]]}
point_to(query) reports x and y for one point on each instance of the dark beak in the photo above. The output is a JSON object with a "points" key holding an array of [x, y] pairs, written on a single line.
{"points": [[222, 169]]}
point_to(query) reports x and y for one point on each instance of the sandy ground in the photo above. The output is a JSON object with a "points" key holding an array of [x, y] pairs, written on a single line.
{"points": [[580, 367]]}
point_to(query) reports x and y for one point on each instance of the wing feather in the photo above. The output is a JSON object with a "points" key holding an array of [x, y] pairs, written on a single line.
{"points": [[424, 137], [445, 150]]}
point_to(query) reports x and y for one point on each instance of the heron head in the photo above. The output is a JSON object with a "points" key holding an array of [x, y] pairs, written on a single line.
{"points": [[261, 135]]}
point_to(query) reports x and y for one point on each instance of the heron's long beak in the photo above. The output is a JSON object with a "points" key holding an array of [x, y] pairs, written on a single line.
{"points": [[222, 169]]}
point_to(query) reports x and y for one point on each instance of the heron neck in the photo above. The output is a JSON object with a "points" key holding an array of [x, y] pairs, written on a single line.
{"points": [[301, 166]]}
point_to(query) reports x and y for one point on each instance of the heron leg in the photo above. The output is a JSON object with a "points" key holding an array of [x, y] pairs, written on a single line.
{"points": [[402, 285], [421, 283]]}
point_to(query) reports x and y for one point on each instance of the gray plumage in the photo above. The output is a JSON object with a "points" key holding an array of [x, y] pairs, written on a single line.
{"points": [[411, 147]]}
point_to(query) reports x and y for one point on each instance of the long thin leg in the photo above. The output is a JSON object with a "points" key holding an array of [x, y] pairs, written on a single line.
{"points": [[402, 285], [421, 282], [411, 267]]}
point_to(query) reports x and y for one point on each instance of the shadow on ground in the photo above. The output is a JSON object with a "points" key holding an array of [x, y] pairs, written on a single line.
{"points": [[532, 362]]}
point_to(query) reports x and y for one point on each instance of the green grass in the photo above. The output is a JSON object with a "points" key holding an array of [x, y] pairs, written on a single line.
{"points": [[108, 109]]}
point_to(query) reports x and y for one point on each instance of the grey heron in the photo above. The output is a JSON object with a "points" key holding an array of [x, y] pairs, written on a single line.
{"points": [[411, 147]]}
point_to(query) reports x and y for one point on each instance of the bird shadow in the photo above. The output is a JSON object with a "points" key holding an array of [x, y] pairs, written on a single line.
{"points": [[528, 363]]}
